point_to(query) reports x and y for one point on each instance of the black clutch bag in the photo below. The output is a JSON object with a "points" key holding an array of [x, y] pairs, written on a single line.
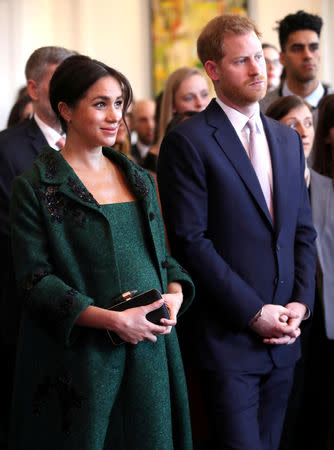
{"points": [[143, 299]]}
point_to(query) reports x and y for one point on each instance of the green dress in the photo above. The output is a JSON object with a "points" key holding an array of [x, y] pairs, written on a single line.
{"points": [[73, 388]]}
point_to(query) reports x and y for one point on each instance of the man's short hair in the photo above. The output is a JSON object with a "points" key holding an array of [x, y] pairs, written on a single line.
{"points": [[295, 22], [210, 43], [43, 57]]}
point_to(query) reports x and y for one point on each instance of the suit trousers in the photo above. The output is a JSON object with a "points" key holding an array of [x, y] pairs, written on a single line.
{"points": [[246, 409]]}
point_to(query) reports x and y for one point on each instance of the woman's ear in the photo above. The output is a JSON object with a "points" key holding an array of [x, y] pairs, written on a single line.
{"points": [[64, 111]]}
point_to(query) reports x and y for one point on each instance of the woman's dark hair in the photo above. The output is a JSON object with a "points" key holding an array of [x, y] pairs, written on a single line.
{"points": [[323, 154], [75, 75], [178, 118], [283, 105], [16, 113]]}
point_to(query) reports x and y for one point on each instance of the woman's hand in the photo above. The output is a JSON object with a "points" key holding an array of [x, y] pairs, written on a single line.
{"points": [[132, 326], [173, 301]]}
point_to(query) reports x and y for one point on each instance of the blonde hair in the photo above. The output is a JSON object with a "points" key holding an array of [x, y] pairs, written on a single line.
{"points": [[167, 103], [210, 43]]}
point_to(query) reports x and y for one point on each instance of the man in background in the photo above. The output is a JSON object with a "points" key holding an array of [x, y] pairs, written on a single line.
{"points": [[144, 125], [19, 147], [299, 36]]}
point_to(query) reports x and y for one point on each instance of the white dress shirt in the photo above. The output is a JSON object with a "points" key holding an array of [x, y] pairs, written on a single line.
{"points": [[51, 135]]}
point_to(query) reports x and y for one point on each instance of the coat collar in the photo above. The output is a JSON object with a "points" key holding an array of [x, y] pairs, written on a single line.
{"points": [[229, 142], [57, 173], [54, 170]]}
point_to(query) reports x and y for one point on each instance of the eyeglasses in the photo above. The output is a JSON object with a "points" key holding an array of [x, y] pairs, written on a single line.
{"points": [[274, 62]]}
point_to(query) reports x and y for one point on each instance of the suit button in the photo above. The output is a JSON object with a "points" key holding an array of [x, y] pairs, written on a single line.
{"points": [[151, 215], [281, 281], [278, 248], [276, 281]]}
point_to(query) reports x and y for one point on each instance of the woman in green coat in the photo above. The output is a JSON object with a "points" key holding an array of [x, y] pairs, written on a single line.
{"points": [[86, 227]]}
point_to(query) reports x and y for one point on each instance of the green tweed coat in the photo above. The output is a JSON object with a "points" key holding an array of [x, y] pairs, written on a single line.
{"points": [[73, 389]]}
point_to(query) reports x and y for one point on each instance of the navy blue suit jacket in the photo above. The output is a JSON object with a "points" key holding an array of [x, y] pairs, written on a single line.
{"points": [[19, 147], [220, 229]]}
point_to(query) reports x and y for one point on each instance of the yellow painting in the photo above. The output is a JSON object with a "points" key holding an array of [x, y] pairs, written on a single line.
{"points": [[176, 25]]}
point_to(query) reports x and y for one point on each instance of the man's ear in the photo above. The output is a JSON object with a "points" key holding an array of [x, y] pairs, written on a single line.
{"points": [[32, 90], [211, 68], [64, 111]]}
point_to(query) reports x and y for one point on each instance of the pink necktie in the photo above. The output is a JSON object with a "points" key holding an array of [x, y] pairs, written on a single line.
{"points": [[60, 143], [256, 155]]}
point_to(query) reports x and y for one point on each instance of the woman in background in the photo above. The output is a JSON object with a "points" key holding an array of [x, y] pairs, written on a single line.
{"points": [[319, 395], [21, 110], [311, 400], [186, 89], [297, 114], [86, 228]]}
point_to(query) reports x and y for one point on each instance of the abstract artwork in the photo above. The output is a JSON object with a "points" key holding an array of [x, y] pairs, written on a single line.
{"points": [[176, 25]]}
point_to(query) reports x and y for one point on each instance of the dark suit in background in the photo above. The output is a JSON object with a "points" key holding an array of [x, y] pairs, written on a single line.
{"points": [[219, 228]]}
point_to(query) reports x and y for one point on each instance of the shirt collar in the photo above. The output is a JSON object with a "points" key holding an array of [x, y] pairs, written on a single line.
{"points": [[51, 135], [239, 120], [313, 99], [142, 148]]}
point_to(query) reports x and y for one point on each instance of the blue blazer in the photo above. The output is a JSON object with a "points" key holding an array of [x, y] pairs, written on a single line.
{"points": [[219, 227]]}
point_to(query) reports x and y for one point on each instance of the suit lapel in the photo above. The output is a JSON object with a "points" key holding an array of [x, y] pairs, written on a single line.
{"points": [[231, 145], [36, 137], [280, 167]]}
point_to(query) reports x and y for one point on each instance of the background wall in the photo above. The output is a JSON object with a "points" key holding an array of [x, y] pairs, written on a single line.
{"points": [[118, 33]]}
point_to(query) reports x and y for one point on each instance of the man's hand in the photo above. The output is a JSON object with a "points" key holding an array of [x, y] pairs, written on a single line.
{"points": [[301, 310], [273, 329]]}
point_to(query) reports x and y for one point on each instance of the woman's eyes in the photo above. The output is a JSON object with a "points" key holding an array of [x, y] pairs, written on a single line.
{"points": [[100, 104]]}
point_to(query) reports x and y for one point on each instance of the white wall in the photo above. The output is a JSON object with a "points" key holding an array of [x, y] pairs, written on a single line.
{"points": [[114, 31], [118, 33]]}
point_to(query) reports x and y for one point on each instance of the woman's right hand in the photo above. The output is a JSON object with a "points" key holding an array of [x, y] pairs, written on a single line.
{"points": [[132, 326]]}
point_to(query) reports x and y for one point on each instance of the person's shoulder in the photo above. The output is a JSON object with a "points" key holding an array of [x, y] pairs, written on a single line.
{"points": [[280, 131], [275, 125], [191, 126], [317, 179], [18, 130], [14, 138], [268, 99]]}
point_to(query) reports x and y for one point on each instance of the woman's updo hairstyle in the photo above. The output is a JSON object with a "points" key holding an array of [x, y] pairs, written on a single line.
{"points": [[75, 75]]}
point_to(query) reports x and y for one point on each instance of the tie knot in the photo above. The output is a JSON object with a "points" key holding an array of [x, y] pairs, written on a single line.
{"points": [[60, 143], [251, 124]]}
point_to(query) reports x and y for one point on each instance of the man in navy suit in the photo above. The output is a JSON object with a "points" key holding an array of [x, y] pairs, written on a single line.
{"points": [[250, 253], [19, 146]]}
